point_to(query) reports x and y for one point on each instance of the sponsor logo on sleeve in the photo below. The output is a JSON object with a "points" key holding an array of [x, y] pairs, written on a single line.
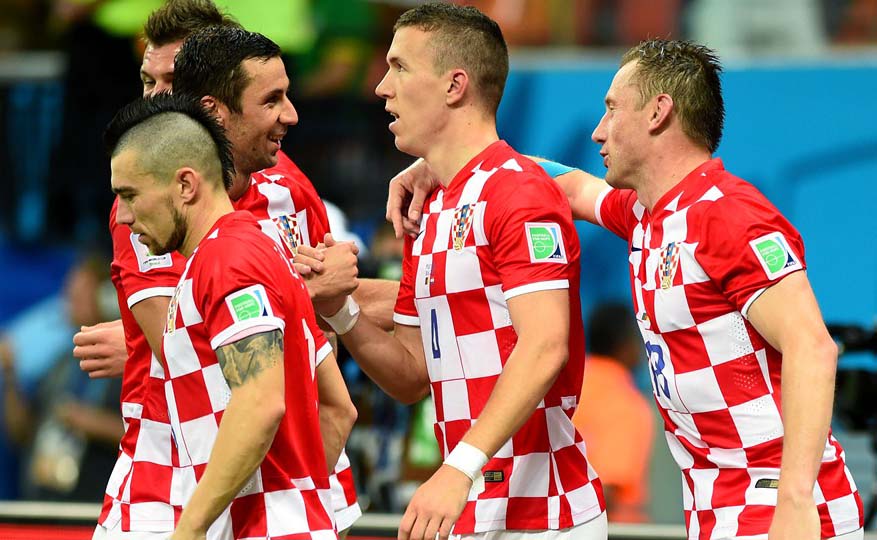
{"points": [[776, 257], [249, 303], [146, 261], [545, 243]]}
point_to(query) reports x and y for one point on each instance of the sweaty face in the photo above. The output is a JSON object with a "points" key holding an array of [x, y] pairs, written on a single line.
{"points": [[414, 93], [623, 131], [146, 205], [157, 70], [266, 113]]}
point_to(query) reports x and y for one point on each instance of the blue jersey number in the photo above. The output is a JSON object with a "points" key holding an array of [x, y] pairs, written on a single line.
{"points": [[436, 349]]}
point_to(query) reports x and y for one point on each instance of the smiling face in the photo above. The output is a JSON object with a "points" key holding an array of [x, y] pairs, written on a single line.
{"points": [[146, 205], [623, 131], [266, 113], [157, 70], [415, 95]]}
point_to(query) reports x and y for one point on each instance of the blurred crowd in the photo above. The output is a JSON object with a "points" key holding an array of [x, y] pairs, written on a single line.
{"points": [[62, 427]]}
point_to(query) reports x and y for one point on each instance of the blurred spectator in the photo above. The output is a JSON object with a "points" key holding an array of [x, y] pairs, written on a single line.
{"points": [[68, 426], [751, 27], [100, 38], [625, 22], [857, 22], [613, 415]]}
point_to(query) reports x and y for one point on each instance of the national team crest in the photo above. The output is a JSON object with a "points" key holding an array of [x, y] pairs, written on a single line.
{"points": [[171, 324], [669, 264], [289, 231], [462, 225]]}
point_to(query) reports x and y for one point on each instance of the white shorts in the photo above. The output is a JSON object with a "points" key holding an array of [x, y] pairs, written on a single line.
{"points": [[596, 529], [101, 533]]}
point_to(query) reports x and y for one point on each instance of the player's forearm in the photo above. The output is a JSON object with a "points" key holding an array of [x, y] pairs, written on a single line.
{"points": [[387, 361], [246, 432], [337, 412], [377, 298], [527, 376], [808, 374]]}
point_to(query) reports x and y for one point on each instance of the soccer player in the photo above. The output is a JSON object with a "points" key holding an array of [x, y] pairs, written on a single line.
{"points": [[742, 365], [239, 353], [141, 494], [488, 314]]}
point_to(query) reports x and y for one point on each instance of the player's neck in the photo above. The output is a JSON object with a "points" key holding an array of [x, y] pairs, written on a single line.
{"points": [[460, 143], [666, 171], [239, 185], [201, 218]]}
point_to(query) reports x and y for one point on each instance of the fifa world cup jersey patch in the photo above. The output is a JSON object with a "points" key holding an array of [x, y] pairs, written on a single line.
{"points": [[249, 303], [775, 255], [146, 261], [545, 243]]}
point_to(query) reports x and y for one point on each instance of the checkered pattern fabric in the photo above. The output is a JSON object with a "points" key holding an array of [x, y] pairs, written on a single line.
{"points": [[138, 494], [291, 213], [219, 299], [475, 251], [697, 262]]}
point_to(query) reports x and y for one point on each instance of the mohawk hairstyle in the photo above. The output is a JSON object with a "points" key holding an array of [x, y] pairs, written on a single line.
{"points": [[162, 127], [176, 19]]}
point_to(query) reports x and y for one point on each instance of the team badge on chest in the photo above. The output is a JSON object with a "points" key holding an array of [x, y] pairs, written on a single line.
{"points": [[462, 225], [290, 233], [171, 324], [669, 264]]}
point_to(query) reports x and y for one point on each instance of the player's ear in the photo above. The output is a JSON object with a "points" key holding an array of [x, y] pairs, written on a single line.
{"points": [[188, 182], [661, 107], [215, 107], [458, 83]]}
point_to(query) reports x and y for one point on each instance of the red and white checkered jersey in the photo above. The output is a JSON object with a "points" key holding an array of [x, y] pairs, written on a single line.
{"points": [[138, 493], [698, 260], [218, 300], [286, 205], [289, 210], [500, 229]]}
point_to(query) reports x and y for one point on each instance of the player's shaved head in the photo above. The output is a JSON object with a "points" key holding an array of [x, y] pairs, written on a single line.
{"points": [[168, 132]]}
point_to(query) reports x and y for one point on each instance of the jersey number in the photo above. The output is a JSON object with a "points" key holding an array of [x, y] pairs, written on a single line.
{"points": [[436, 349]]}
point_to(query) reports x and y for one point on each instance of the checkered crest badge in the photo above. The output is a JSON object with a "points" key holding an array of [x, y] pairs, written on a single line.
{"points": [[288, 227], [462, 224], [669, 264], [171, 324]]}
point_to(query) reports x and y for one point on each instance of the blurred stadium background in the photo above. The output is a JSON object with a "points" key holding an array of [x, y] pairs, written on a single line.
{"points": [[800, 87]]}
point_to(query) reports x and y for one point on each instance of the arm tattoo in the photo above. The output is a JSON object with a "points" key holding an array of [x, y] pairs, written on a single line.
{"points": [[244, 359]]}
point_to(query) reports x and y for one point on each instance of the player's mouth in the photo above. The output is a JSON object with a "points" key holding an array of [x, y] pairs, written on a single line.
{"points": [[394, 115], [277, 139], [605, 159]]}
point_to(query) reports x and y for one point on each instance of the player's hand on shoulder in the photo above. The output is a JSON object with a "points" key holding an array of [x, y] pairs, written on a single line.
{"points": [[101, 349], [436, 505], [407, 193]]}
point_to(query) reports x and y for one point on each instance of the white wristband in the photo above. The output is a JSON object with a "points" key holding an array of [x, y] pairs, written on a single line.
{"points": [[343, 321], [467, 459]]}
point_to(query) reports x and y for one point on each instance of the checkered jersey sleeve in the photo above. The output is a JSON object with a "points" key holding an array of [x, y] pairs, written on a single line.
{"points": [[529, 227], [745, 245], [405, 311], [243, 294], [615, 211], [307, 197], [138, 274]]}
